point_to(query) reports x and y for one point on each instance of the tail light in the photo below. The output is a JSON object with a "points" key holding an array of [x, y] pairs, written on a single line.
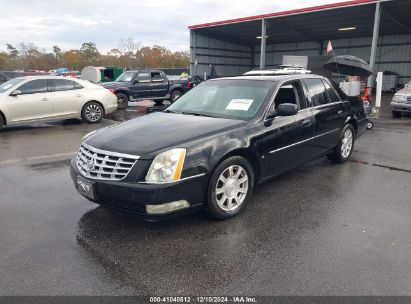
{"points": [[112, 91], [188, 83]]}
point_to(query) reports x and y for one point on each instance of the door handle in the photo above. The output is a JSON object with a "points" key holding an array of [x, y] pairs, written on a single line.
{"points": [[307, 122], [340, 113], [79, 95], [44, 99]]}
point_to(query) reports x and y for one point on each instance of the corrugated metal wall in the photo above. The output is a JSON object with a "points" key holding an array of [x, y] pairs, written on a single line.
{"points": [[394, 54], [229, 59]]}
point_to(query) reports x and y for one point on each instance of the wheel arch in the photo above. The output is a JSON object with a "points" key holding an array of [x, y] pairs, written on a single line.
{"points": [[250, 156], [4, 118], [122, 91]]}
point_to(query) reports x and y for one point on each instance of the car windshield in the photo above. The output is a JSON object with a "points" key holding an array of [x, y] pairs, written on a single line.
{"points": [[9, 84], [238, 99], [126, 76]]}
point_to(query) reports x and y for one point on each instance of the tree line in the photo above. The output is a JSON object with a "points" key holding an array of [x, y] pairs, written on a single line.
{"points": [[129, 54]]}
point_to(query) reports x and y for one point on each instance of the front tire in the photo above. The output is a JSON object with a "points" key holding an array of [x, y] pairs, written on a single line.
{"points": [[1, 122], [122, 100], [342, 152], [230, 188], [92, 112]]}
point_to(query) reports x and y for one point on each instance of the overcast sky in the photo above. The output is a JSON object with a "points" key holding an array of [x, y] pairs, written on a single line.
{"points": [[69, 23]]}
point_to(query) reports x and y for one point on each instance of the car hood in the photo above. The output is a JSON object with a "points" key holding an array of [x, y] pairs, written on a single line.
{"points": [[147, 135], [404, 91]]}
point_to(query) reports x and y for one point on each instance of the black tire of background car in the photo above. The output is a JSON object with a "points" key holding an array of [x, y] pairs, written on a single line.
{"points": [[175, 95], [83, 112], [122, 100], [336, 155], [1, 122], [212, 206], [396, 114]]}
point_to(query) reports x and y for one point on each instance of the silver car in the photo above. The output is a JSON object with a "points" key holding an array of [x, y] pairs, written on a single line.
{"points": [[401, 102]]}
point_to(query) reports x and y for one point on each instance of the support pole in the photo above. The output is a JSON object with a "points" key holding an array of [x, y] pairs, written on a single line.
{"points": [[193, 53], [374, 42], [263, 43]]}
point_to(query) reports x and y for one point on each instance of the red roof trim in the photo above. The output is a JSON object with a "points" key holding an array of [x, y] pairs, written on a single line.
{"points": [[284, 13]]}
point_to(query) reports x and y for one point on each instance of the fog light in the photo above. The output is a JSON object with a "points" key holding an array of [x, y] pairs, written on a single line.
{"points": [[167, 208]]}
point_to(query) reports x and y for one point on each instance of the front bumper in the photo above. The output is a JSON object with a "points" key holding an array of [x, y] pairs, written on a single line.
{"points": [[133, 197], [400, 106]]}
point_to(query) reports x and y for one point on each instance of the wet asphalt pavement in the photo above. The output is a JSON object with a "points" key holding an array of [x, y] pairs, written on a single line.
{"points": [[322, 229]]}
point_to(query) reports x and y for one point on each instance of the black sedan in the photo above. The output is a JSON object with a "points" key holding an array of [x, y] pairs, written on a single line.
{"points": [[212, 146]]}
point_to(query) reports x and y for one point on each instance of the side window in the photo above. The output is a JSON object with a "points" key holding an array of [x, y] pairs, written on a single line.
{"points": [[63, 85], [332, 96], [143, 77], [316, 90], [77, 85], [156, 76], [291, 93], [34, 86]]}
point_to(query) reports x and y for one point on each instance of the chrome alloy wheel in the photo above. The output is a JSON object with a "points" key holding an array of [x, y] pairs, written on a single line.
{"points": [[93, 112], [347, 142], [231, 188]]}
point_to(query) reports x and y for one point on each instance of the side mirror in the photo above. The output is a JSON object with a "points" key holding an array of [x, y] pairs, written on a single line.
{"points": [[15, 93], [287, 109], [135, 81]]}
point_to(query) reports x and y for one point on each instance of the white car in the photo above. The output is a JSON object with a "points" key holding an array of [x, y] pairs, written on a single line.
{"points": [[40, 98]]}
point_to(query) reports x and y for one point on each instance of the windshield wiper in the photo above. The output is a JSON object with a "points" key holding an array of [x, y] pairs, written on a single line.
{"points": [[170, 111], [195, 114]]}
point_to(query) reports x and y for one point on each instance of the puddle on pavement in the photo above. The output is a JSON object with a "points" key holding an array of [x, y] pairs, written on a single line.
{"points": [[49, 166], [380, 166]]}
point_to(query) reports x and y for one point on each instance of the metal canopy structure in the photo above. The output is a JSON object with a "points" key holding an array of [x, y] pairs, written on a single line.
{"points": [[315, 24]]}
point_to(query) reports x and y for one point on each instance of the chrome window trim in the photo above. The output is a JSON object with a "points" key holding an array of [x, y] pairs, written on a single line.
{"points": [[303, 141]]}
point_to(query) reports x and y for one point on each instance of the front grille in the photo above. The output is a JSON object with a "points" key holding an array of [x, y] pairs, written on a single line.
{"points": [[408, 99], [104, 165]]}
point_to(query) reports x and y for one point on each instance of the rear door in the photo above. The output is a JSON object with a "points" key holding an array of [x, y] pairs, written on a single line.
{"points": [[159, 84], [141, 85], [287, 142], [34, 102], [68, 97], [328, 111]]}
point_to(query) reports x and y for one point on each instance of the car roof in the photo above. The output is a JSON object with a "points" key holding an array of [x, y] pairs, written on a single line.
{"points": [[45, 76], [272, 78]]}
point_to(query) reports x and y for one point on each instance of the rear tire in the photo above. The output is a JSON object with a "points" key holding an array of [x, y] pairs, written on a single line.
{"points": [[396, 114], [92, 112], [342, 152], [230, 188], [1, 122], [122, 100], [175, 95]]}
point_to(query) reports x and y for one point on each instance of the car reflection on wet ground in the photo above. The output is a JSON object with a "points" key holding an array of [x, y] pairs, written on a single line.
{"points": [[322, 229]]}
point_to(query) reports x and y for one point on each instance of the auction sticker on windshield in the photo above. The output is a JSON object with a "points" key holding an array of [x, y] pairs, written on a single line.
{"points": [[239, 104]]}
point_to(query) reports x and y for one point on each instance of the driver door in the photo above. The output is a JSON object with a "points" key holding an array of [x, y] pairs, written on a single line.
{"points": [[287, 141], [141, 85], [34, 102]]}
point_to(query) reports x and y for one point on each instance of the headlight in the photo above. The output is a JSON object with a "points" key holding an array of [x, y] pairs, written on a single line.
{"points": [[167, 166], [88, 135], [399, 98]]}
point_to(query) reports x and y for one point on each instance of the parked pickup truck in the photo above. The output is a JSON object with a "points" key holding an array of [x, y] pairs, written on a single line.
{"points": [[147, 84]]}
